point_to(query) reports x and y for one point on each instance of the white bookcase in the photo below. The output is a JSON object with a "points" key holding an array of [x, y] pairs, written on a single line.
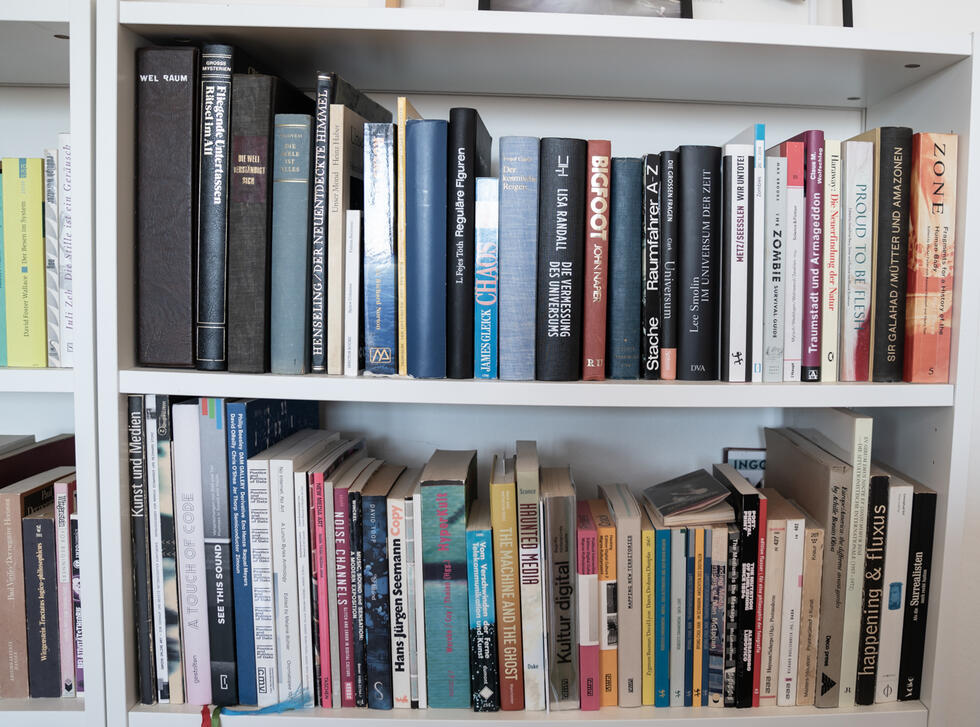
{"points": [[647, 85], [46, 87]]}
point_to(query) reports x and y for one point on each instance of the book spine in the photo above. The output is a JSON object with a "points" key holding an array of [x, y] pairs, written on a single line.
{"points": [[893, 591], [760, 185], [289, 279], [40, 587], [240, 552], [772, 611], [587, 591], [212, 237], [648, 609], [705, 616], [559, 522], [52, 297], [661, 629], [813, 559], [325, 91], [831, 301], [503, 519], [420, 640], [813, 254], [893, 156], [760, 581], [354, 298], [411, 604], [775, 270], [518, 230], [380, 352], [857, 220], [732, 632], [160, 655], [561, 232], [794, 261], [736, 268], [345, 611], [358, 636], [139, 531], [669, 241], [929, 301], [652, 288], [485, 323], [608, 616], [626, 280], [346, 164], [690, 553], [716, 634], [426, 248], [66, 294], [168, 541], [597, 261], [399, 593], [678, 614], [446, 619], [869, 642], [698, 262], [484, 679], [701, 609], [532, 600], [306, 593], [263, 595], [377, 611], [918, 579], [405, 112], [326, 552], [792, 597], [747, 515], [76, 599], [323, 664], [166, 224], [628, 587]]}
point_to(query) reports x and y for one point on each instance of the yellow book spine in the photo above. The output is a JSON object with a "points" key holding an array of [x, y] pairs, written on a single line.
{"points": [[405, 111], [608, 627], [698, 617], [23, 241], [503, 520], [648, 574]]}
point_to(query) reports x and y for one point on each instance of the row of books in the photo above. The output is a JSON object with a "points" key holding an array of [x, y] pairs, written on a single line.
{"points": [[812, 260], [360, 582], [37, 309], [40, 612]]}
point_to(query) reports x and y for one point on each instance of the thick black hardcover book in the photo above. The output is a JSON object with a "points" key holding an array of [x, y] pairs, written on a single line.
{"points": [[917, 593], [561, 241], [256, 98], [357, 597], [891, 253], [652, 294], [41, 601], [699, 256], [166, 204], [669, 163], [869, 645], [731, 613], [330, 89], [468, 157]]}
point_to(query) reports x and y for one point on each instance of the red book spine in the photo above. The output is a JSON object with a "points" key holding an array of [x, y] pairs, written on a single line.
{"points": [[318, 562], [760, 593], [588, 601], [597, 261], [345, 610]]}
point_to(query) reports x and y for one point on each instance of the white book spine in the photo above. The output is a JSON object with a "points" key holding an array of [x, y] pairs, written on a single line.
{"points": [[893, 606], [775, 272], [63, 556], [772, 611], [189, 502], [793, 281], [263, 598], [792, 596], [532, 596], [737, 269], [830, 284], [156, 551], [52, 281], [284, 579], [759, 187], [303, 574], [401, 681], [857, 230], [419, 604], [352, 294], [678, 585], [65, 287], [330, 551], [411, 535]]}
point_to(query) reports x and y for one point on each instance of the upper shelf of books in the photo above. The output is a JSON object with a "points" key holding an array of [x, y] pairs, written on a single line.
{"points": [[486, 52], [31, 51]]}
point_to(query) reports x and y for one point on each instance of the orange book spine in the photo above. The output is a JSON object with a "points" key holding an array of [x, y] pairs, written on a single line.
{"points": [[608, 621]]}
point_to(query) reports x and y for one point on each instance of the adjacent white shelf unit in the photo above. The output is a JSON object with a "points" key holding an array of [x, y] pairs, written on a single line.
{"points": [[646, 84]]}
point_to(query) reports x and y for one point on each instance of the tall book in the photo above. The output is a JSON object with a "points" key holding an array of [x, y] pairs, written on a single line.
{"points": [[64, 507], [648, 607], [732, 589], [400, 535], [809, 648], [793, 266], [892, 171], [652, 293], [420, 657], [918, 580], [413, 566], [772, 606], [289, 318], [484, 677], [561, 233], [448, 486], [830, 293], [876, 539], [468, 157], [527, 472], [669, 241], [662, 608], [507, 594], [678, 615], [932, 228], [353, 296], [597, 200], [52, 298], [76, 598], [857, 240], [736, 255], [717, 585], [154, 522], [775, 270], [426, 248], [66, 291], [608, 617], [330, 89], [626, 246], [587, 590], [559, 520], [380, 317], [485, 273], [699, 253], [518, 239], [41, 600], [356, 569], [405, 111], [695, 618], [166, 192], [793, 566]]}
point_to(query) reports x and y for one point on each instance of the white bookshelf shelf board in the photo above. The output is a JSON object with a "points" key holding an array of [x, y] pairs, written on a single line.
{"points": [[533, 393], [425, 50], [31, 54], [40, 712], [50, 381]]}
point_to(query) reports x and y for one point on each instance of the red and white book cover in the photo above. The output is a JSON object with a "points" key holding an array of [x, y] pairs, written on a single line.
{"points": [[588, 609], [597, 200], [64, 504]]}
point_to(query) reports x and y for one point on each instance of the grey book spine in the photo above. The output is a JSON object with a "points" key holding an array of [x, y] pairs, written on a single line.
{"points": [[41, 598], [559, 537]]}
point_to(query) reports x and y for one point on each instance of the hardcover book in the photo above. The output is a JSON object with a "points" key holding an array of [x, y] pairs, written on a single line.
{"points": [[775, 270], [380, 316], [559, 519], [608, 616], [527, 472], [587, 590], [669, 241], [857, 240], [506, 557], [695, 494], [597, 199], [626, 281], [41, 600], [652, 293], [484, 677], [736, 255], [830, 293], [485, 280], [794, 251], [405, 111]]}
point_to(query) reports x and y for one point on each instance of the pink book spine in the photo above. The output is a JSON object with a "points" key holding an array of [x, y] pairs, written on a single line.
{"points": [[345, 613], [588, 597], [318, 549], [63, 506]]}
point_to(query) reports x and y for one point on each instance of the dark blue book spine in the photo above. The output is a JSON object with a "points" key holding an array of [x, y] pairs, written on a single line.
{"points": [[377, 613], [661, 665], [380, 345], [689, 622], [425, 213], [625, 270], [706, 619], [289, 345], [518, 238], [486, 295]]}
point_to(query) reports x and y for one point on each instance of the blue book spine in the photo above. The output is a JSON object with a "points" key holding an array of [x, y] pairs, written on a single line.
{"points": [[425, 218], [518, 240], [289, 320], [661, 664], [485, 280], [379, 249], [3, 290], [484, 677], [689, 622], [377, 613], [625, 270], [706, 621]]}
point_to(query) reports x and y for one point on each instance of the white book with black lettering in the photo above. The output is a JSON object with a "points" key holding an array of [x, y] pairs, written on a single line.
{"points": [[775, 272], [736, 333]]}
